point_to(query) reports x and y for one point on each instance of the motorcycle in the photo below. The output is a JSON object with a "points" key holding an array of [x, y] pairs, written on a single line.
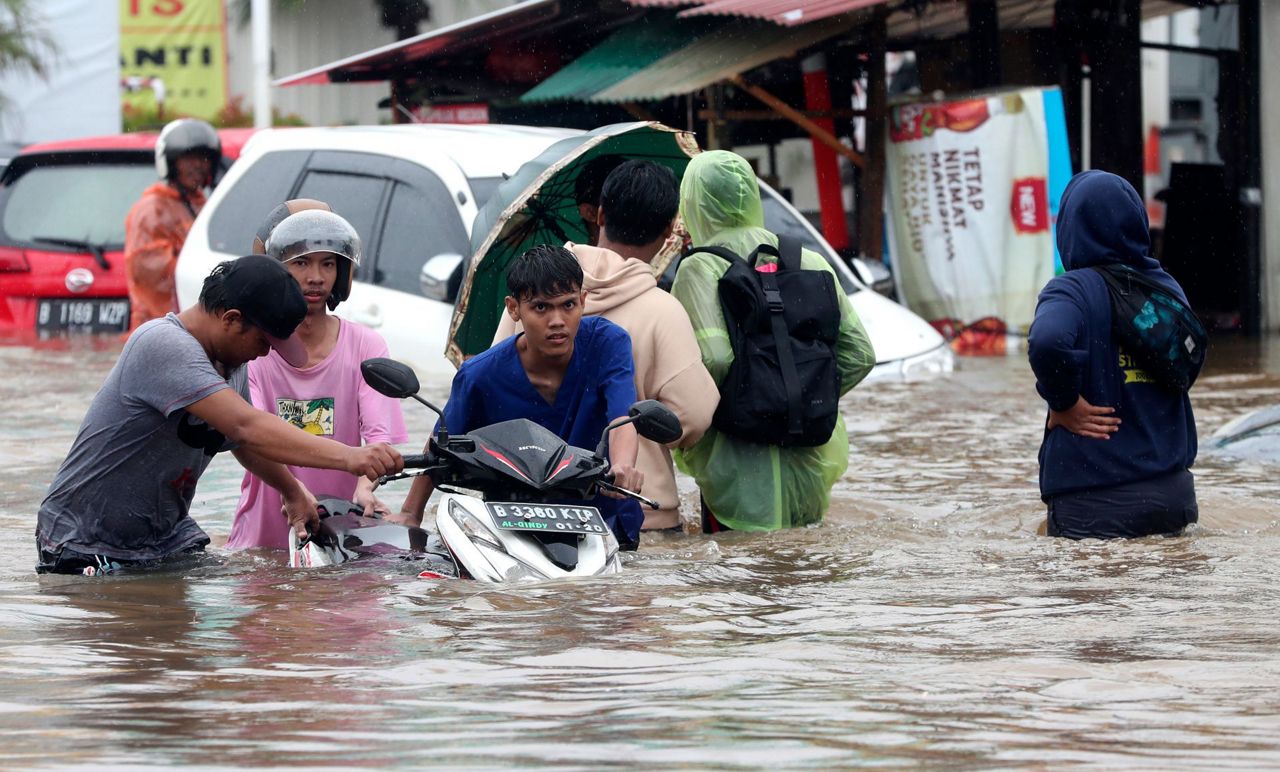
{"points": [[502, 515]]}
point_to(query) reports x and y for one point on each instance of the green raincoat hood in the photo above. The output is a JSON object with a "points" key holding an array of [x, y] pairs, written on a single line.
{"points": [[719, 196]]}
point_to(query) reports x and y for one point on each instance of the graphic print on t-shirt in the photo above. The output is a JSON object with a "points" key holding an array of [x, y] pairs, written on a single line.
{"points": [[313, 416]]}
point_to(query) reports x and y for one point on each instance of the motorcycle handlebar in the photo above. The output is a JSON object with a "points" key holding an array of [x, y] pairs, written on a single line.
{"points": [[417, 460], [648, 502]]}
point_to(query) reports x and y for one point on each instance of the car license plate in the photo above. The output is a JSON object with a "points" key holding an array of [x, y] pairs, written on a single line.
{"points": [[88, 315], [547, 518]]}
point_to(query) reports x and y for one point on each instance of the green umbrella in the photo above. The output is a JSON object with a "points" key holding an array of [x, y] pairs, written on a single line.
{"points": [[537, 205]]}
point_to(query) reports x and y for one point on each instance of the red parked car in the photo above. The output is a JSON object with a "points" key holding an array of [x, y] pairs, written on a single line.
{"points": [[62, 212]]}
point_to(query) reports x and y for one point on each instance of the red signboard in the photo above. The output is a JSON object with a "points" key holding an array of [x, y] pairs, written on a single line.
{"points": [[470, 112], [1030, 205]]}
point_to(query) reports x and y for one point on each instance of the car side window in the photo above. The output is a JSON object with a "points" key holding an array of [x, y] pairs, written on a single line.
{"points": [[262, 187], [356, 197], [422, 222]]}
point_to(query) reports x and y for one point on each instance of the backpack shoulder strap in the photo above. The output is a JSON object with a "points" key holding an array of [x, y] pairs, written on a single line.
{"points": [[723, 253], [788, 253], [786, 357]]}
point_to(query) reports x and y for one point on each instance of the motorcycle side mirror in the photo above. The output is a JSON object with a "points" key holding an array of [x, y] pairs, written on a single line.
{"points": [[398, 381], [653, 420], [389, 377]]}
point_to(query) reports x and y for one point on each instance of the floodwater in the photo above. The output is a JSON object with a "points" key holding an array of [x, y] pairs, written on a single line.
{"points": [[925, 623]]}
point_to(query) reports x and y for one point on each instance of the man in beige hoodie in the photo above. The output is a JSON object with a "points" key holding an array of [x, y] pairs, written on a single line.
{"points": [[637, 209]]}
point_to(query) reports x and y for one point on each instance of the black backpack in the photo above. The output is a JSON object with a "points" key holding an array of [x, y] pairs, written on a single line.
{"points": [[783, 387], [1156, 328]]}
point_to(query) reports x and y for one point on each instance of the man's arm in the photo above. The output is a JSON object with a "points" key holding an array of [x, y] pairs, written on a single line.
{"points": [[415, 504], [368, 501], [617, 384], [267, 436], [298, 503], [458, 418], [624, 444]]}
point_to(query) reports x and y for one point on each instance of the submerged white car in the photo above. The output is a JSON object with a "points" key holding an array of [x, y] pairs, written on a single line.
{"points": [[412, 192]]}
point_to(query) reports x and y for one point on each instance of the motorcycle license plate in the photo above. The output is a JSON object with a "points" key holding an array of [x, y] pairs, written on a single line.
{"points": [[58, 315], [547, 518]]}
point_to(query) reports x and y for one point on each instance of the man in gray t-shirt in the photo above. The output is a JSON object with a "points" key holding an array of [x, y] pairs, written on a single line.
{"points": [[178, 395]]}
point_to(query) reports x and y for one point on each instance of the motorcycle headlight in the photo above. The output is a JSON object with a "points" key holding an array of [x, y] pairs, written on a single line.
{"points": [[473, 527], [522, 572]]}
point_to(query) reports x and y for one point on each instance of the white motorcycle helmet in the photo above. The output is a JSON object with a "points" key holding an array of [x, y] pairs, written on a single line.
{"points": [[186, 135], [316, 230]]}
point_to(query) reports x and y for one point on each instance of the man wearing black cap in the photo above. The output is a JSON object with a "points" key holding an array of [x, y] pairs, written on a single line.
{"points": [[178, 395]]}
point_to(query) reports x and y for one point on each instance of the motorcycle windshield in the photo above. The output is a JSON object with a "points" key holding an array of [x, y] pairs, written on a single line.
{"points": [[528, 453]]}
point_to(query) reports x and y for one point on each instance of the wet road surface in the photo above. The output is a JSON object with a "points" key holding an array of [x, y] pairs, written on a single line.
{"points": [[925, 623]]}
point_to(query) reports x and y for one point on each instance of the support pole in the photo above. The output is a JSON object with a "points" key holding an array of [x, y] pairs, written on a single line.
{"points": [[260, 15], [1249, 176], [817, 96], [1086, 119], [984, 44], [713, 96], [1269, 126], [871, 200], [1115, 105]]}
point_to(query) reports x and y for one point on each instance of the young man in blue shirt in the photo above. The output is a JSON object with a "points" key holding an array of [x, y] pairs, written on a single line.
{"points": [[568, 374]]}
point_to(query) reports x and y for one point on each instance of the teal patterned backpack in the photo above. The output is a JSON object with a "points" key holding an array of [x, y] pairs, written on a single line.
{"points": [[1160, 331]]}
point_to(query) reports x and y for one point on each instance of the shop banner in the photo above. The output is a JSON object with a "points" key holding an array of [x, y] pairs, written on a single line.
{"points": [[973, 189], [470, 113], [173, 57]]}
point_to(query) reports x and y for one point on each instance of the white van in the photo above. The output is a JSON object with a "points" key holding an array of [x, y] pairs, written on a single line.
{"points": [[412, 192]]}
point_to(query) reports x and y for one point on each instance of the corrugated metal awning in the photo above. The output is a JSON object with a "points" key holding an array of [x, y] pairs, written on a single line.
{"points": [[785, 12], [940, 18], [732, 49], [620, 56], [380, 63]]}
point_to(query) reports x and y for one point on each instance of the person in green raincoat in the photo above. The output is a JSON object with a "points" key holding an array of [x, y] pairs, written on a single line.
{"points": [[748, 486]]}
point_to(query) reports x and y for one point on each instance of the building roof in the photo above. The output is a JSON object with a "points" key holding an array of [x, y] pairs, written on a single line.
{"points": [[618, 57], [785, 12], [654, 55], [381, 63], [732, 49]]}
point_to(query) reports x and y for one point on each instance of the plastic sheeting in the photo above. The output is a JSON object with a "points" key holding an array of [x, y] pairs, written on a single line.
{"points": [[753, 487]]}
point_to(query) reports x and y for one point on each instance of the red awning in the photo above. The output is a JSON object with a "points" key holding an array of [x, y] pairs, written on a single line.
{"points": [[785, 12], [381, 63]]}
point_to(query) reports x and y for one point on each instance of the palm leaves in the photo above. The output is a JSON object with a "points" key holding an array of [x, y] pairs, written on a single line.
{"points": [[23, 45]]}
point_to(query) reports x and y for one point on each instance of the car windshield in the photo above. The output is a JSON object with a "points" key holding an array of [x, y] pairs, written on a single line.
{"points": [[92, 201]]}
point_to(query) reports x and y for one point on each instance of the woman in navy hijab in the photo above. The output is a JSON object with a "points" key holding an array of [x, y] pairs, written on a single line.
{"points": [[1118, 446]]}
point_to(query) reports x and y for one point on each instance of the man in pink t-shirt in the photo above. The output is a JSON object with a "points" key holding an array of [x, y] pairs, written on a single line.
{"points": [[327, 396]]}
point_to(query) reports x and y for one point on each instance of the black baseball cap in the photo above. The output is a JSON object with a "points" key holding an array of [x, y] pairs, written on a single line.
{"points": [[269, 298]]}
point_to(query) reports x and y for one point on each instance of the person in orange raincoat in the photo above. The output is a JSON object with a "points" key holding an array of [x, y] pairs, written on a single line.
{"points": [[187, 153]]}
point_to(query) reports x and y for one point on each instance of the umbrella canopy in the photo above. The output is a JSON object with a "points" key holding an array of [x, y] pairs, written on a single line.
{"points": [[538, 205]]}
